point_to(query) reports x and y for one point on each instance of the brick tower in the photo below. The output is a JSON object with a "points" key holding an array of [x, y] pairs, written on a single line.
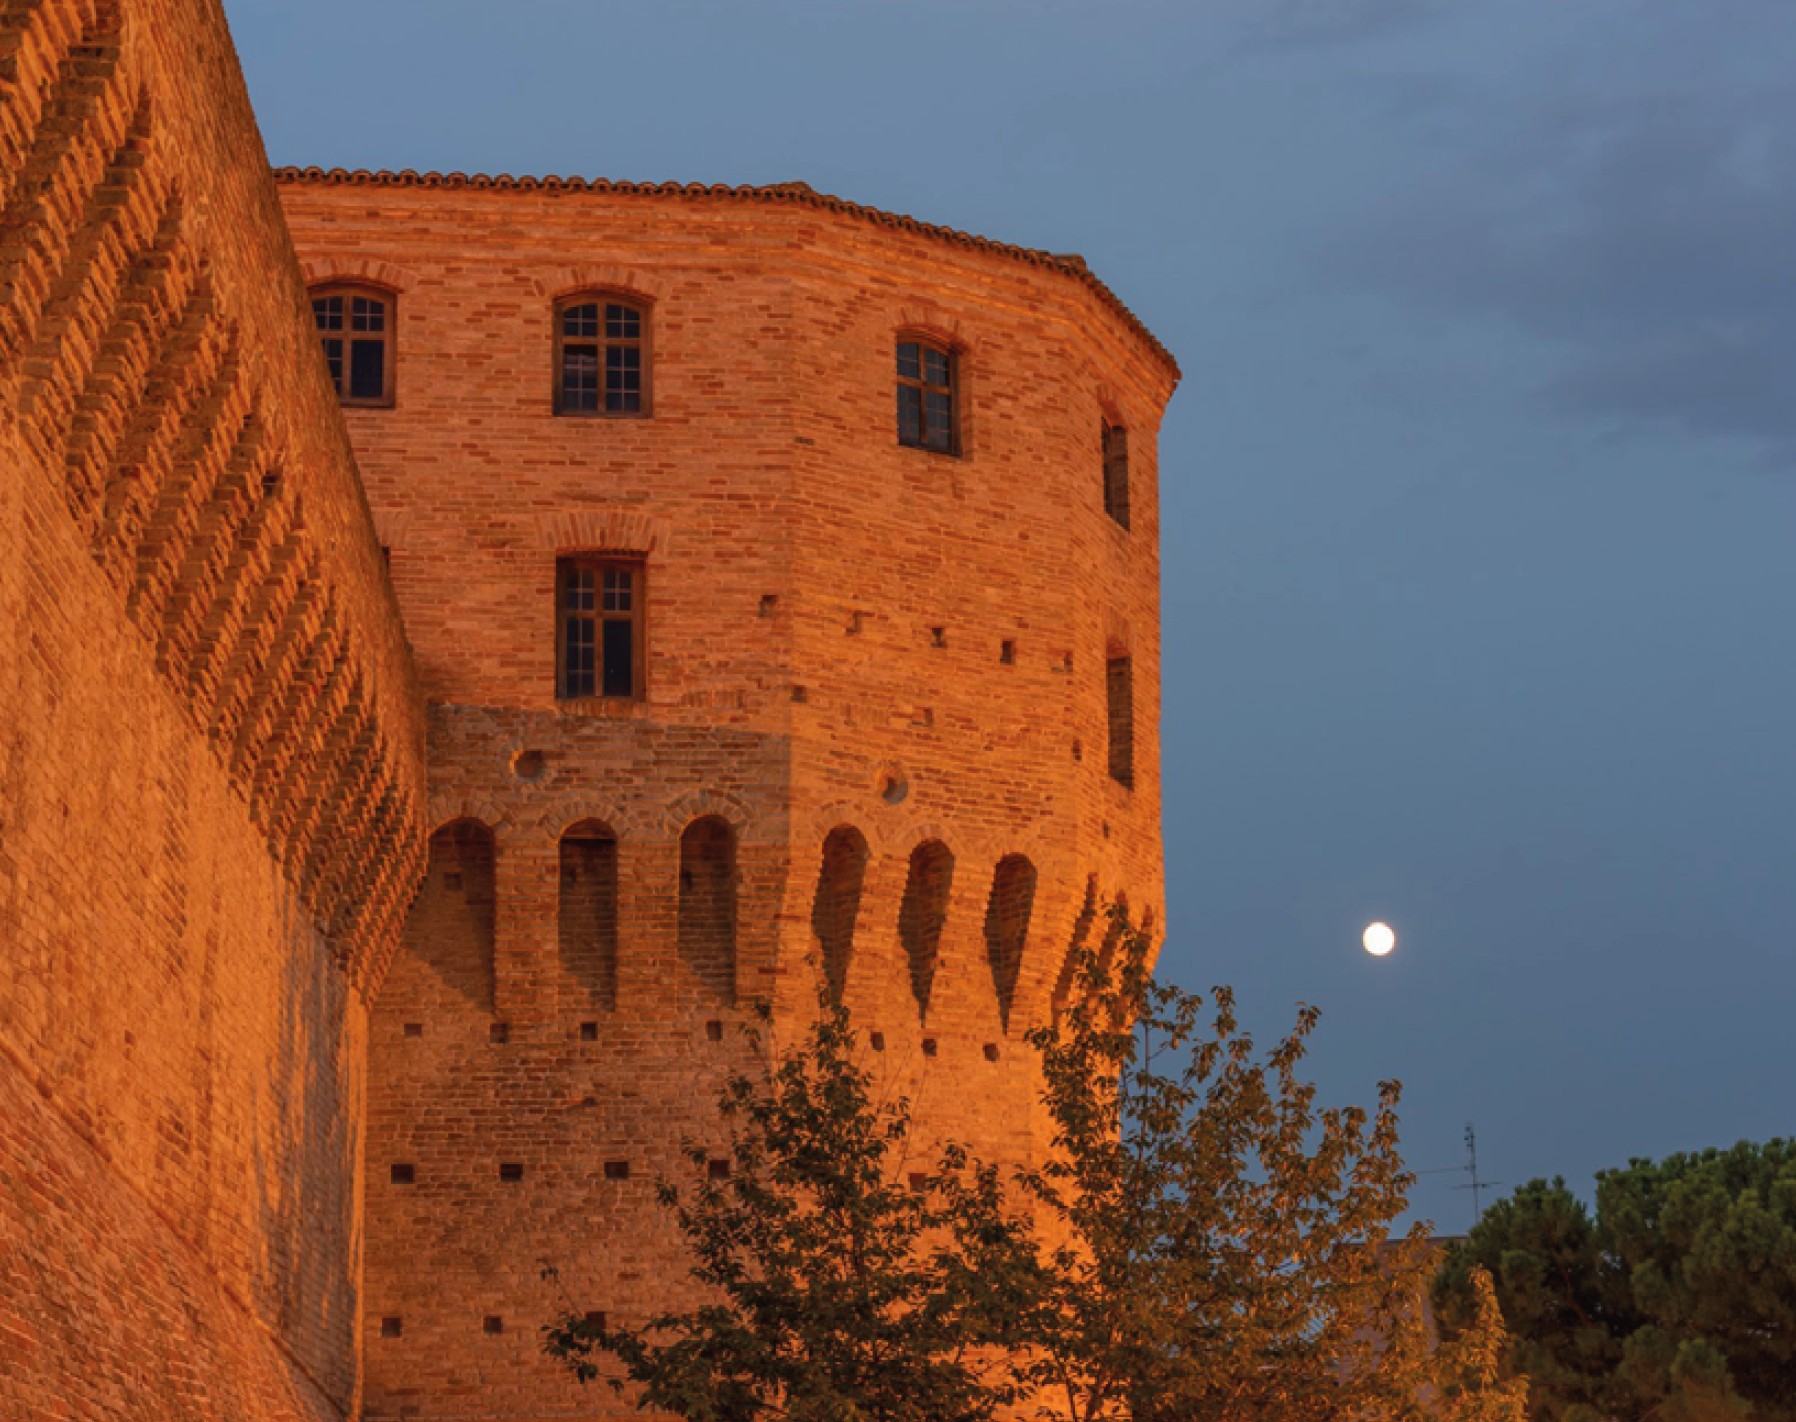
{"points": [[783, 581]]}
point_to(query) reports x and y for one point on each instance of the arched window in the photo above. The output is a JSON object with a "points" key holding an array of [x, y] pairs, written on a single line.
{"points": [[356, 327], [587, 916], [838, 903], [601, 356], [1116, 472], [707, 930], [1007, 926], [927, 396], [923, 913], [450, 927]]}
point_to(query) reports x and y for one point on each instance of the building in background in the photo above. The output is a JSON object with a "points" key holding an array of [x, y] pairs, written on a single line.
{"points": [[414, 760]]}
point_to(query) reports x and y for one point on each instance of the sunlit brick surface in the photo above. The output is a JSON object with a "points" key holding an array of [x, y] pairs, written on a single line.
{"points": [[906, 649]]}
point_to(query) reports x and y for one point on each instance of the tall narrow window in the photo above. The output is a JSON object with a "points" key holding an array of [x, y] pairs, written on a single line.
{"points": [[926, 415], [355, 327], [838, 903], [923, 914], [587, 920], [1007, 915], [598, 632], [1120, 686], [707, 926], [1116, 472], [601, 357]]}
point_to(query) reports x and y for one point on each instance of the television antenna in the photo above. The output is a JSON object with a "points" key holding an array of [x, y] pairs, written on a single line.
{"points": [[1474, 1182]]}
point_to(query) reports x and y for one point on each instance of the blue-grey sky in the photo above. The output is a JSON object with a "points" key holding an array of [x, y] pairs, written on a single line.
{"points": [[1477, 495]]}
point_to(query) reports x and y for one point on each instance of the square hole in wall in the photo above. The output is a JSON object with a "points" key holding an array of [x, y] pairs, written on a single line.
{"points": [[589, 1031], [499, 1032], [595, 1318], [714, 1031], [511, 1170], [938, 636], [492, 1323], [414, 1029], [718, 1169], [404, 1175], [617, 1170], [929, 1046], [770, 604], [919, 1182], [1007, 653], [991, 1051], [391, 1327], [877, 1041]]}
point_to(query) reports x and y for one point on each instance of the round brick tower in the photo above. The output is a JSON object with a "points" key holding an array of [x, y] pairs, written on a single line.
{"points": [[783, 576]]}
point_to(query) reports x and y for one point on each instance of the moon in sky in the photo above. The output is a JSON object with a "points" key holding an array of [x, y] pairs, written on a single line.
{"points": [[1378, 939]]}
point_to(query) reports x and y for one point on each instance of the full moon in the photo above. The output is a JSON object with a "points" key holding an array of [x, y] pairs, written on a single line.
{"points": [[1378, 939]]}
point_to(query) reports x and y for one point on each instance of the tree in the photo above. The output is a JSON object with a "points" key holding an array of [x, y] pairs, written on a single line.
{"points": [[1220, 1248], [1677, 1300], [844, 1284]]}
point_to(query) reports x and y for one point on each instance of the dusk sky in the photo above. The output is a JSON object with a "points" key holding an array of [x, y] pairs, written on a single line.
{"points": [[1478, 497]]}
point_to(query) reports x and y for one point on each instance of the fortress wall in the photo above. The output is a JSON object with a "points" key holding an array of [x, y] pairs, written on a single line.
{"points": [[771, 503], [211, 769]]}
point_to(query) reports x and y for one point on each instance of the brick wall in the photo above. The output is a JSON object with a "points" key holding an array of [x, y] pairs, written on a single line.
{"points": [[211, 750], [876, 689]]}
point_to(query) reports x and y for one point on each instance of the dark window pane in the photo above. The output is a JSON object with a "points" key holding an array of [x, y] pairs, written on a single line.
{"points": [[578, 652], [579, 378], [619, 645], [623, 323], [909, 361], [367, 370], [333, 357], [939, 407], [327, 311], [580, 320], [579, 589], [935, 366], [618, 586], [910, 414], [367, 315]]}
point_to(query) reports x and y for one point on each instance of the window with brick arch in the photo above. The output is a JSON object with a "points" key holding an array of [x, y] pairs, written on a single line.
{"points": [[587, 914], [1007, 915], [356, 327], [838, 903], [1115, 446], [928, 417], [601, 356], [923, 914], [598, 627], [707, 922], [1119, 686]]}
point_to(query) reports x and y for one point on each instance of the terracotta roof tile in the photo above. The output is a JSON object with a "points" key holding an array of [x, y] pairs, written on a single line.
{"points": [[1069, 263]]}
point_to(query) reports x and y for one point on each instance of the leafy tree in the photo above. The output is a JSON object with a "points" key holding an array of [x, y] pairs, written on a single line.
{"points": [[1214, 1245], [844, 1285], [1676, 1301]]}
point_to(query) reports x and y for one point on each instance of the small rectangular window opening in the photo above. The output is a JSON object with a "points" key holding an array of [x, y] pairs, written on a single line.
{"points": [[1116, 472], [492, 1323], [718, 1169], [926, 397], [511, 1172], [391, 1327], [1119, 686], [599, 643], [589, 1031], [617, 1170], [404, 1175]]}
